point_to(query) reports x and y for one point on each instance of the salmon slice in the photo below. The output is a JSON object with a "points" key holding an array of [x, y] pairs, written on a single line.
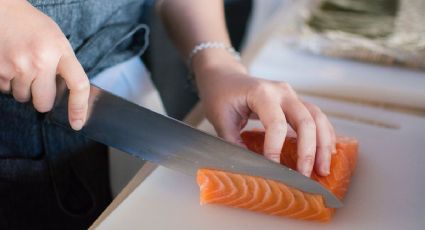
{"points": [[273, 197]]}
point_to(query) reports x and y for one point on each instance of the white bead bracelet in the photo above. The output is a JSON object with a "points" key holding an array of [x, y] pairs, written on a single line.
{"points": [[208, 45]]}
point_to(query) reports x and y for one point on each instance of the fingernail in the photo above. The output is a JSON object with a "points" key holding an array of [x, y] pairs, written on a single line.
{"points": [[77, 124], [325, 169], [305, 170], [333, 149], [274, 157], [240, 143]]}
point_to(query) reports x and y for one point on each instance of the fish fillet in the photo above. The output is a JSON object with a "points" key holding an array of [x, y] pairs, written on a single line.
{"points": [[275, 198]]}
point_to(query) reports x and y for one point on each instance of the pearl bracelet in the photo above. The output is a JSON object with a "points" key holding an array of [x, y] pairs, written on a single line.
{"points": [[215, 45], [208, 45]]}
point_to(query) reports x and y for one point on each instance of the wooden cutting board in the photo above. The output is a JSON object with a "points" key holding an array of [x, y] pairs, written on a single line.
{"points": [[387, 190]]}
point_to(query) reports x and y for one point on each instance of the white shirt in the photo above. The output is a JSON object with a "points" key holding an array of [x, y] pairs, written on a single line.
{"points": [[131, 80]]}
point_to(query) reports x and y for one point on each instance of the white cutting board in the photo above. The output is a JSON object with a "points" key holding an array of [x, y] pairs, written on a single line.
{"points": [[387, 190], [341, 78]]}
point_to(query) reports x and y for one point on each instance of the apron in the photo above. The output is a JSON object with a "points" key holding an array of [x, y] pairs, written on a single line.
{"points": [[50, 177]]}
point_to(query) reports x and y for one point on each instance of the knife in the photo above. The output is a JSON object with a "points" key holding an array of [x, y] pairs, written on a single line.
{"points": [[162, 140]]}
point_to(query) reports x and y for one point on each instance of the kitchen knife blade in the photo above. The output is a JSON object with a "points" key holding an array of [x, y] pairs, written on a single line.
{"points": [[150, 136]]}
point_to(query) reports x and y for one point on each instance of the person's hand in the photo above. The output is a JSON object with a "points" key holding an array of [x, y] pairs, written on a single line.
{"points": [[33, 50], [230, 97]]}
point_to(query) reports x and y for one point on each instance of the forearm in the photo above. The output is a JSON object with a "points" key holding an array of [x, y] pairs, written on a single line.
{"points": [[230, 97], [190, 22]]}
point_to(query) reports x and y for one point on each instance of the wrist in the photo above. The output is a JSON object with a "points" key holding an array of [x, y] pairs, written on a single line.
{"points": [[213, 60]]}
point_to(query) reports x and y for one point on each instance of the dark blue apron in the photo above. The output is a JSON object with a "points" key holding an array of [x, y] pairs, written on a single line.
{"points": [[52, 178]]}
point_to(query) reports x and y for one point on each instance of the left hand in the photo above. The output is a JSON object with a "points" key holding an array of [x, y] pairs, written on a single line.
{"points": [[230, 97]]}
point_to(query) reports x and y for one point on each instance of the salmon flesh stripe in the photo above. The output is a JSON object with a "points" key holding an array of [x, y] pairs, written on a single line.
{"points": [[273, 197]]}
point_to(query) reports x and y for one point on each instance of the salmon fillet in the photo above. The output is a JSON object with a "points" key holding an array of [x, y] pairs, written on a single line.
{"points": [[273, 197]]}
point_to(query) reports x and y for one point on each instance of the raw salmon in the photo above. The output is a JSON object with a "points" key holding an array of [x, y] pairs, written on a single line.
{"points": [[275, 198]]}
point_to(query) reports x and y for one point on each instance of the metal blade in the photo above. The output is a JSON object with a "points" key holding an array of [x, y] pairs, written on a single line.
{"points": [[150, 136]]}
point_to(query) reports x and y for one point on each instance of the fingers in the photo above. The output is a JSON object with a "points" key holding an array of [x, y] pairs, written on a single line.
{"points": [[22, 72], [43, 91], [333, 136], [13, 67], [73, 73], [4, 85], [229, 126], [325, 142], [274, 122], [21, 88], [300, 118], [34, 74], [275, 103], [31, 46]]}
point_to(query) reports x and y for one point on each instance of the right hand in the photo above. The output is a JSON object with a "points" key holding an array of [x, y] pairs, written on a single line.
{"points": [[33, 51]]}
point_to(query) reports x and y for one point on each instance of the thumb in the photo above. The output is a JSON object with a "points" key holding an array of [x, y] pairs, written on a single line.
{"points": [[229, 127]]}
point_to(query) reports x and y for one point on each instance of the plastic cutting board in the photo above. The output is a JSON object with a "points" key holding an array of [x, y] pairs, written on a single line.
{"points": [[386, 192]]}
